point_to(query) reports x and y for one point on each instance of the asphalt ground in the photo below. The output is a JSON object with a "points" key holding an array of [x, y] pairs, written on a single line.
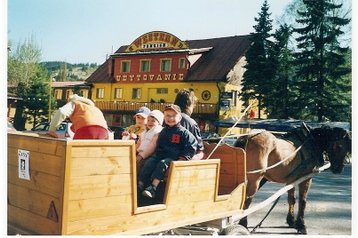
{"points": [[328, 210]]}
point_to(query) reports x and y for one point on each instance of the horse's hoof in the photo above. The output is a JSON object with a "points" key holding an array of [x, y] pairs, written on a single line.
{"points": [[290, 221], [302, 231], [301, 228]]}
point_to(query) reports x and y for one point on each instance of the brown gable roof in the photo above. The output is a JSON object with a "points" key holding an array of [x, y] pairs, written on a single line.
{"points": [[216, 64], [213, 65], [101, 75]]}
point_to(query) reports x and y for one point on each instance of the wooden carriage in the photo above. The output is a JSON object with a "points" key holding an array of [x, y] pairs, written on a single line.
{"points": [[76, 187]]}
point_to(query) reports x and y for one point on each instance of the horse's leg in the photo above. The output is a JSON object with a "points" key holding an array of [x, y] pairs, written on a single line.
{"points": [[291, 199], [300, 223], [252, 187]]}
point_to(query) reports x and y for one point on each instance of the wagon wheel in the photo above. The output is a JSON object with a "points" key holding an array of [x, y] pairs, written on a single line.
{"points": [[235, 229]]}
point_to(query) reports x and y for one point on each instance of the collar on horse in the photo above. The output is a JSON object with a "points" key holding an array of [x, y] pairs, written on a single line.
{"points": [[310, 151]]}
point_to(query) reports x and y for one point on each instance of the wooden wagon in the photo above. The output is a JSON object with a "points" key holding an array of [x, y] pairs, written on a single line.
{"points": [[75, 187]]}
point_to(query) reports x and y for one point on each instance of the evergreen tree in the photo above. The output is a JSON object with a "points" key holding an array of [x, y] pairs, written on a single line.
{"points": [[36, 99], [324, 92], [257, 76], [280, 96]]}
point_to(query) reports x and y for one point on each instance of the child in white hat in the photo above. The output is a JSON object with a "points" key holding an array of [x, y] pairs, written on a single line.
{"points": [[147, 140]]}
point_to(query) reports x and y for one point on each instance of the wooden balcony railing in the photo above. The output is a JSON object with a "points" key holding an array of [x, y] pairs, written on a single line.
{"points": [[108, 106]]}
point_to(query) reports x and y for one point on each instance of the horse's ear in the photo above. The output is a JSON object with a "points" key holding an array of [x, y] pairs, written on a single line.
{"points": [[305, 129]]}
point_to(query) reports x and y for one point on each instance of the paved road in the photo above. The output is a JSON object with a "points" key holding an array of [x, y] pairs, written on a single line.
{"points": [[328, 212]]}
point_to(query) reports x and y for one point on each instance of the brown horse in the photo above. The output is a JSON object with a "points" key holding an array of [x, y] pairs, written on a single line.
{"points": [[284, 159]]}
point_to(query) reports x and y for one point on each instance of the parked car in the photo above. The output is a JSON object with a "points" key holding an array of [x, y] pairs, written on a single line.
{"points": [[10, 127], [117, 131], [63, 130]]}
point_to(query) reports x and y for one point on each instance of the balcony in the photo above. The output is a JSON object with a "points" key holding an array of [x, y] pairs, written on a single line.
{"points": [[131, 107]]}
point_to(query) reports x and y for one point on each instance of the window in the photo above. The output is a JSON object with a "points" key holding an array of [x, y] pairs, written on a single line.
{"points": [[162, 90], [125, 66], [100, 93], [165, 65], [69, 93], [182, 63], [145, 66], [118, 93], [136, 93], [84, 93], [58, 94]]}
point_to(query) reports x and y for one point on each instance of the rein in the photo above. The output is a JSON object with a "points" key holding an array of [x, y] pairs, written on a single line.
{"points": [[278, 163]]}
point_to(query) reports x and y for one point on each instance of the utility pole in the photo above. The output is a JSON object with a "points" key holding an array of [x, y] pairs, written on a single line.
{"points": [[49, 100]]}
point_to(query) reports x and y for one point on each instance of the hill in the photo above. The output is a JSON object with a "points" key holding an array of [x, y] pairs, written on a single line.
{"points": [[62, 71]]}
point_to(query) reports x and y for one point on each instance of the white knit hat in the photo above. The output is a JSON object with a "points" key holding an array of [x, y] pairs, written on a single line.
{"points": [[158, 115]]}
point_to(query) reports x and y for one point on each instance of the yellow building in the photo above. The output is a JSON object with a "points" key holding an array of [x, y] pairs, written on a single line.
{"points": [[155, 66]]}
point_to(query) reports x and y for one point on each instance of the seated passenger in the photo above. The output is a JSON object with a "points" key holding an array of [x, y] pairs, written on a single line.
{"points": [[186, 100], [174, 142], [132, 132], [148, 139]]}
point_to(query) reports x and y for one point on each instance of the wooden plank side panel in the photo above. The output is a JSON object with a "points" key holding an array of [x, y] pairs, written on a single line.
{"points": [[109, 165], [176, 215], [33, 201], [100, 151], [81, 188], [41, 182], [233, 166], [97, 207], [99, 184], [40, 198], [44, 145], [46, 163], [31, 222]]}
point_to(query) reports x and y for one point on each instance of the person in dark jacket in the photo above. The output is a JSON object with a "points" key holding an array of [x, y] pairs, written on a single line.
{"points": [[174, 143], [186, 100]]}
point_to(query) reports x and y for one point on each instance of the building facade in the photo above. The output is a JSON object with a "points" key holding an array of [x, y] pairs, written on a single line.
{"points": [[155, 66]]}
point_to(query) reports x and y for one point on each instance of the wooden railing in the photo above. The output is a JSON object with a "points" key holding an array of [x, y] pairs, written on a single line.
{"points": [[201, 108]]}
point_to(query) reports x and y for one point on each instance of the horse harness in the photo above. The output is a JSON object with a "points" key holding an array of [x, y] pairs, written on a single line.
{"points": [[310, 151]]}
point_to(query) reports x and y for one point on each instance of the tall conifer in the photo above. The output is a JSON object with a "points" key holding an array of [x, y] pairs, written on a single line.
{"points": [[324, 92]]}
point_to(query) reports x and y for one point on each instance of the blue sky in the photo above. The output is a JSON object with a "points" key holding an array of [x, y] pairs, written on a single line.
{"points": [[84, 31]]}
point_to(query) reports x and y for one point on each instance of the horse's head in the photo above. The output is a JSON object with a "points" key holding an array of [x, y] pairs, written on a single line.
{"points": [[336, 142]]}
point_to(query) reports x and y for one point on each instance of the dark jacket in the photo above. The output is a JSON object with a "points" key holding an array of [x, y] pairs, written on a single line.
{"points": [[190, 124], [175, 142]]}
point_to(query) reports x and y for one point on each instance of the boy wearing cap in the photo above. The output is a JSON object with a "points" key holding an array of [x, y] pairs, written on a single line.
{"points": [[174, 142], [132, 132], [148, 139]]}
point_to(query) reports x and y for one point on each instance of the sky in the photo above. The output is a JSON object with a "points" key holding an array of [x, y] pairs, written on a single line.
{"points": [[85, 31]]}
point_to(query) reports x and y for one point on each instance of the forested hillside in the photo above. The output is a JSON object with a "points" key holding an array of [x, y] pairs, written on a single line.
{"points": [[62, 71]]}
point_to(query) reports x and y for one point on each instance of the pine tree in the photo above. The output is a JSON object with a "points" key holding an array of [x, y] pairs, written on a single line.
{"points": [[280, 96], [257, 75], [324, 92]]}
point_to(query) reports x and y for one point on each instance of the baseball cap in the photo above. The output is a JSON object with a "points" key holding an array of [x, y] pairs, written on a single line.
{"points": [[173, 107], [158, 115], [143, 111]]}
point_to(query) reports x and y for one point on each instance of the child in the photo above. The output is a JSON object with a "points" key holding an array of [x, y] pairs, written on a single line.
{"points": [[148, 139], [132, 132], [174, 142], [187, 100]]}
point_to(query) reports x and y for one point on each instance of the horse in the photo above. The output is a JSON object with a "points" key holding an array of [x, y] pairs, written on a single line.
{"points": [[286, 158]]}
